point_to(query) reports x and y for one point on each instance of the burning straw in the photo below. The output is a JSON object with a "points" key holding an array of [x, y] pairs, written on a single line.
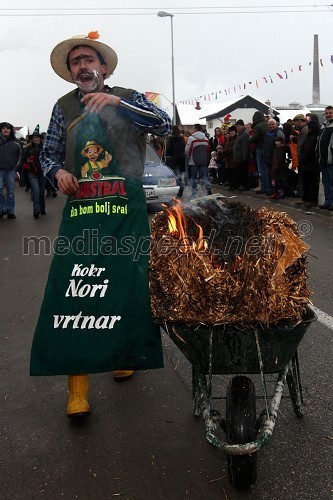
{"points": [[221, 262]]}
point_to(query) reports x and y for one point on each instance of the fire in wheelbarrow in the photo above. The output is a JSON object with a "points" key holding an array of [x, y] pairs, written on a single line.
{"points": [[229, 285]]}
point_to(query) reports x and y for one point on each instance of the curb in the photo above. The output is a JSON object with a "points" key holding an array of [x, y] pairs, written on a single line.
{"points": [[288, 202]]}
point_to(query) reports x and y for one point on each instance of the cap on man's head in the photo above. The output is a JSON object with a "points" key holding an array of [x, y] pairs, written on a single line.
{"points": [[60, 53], [239, 122], [300, 117]]}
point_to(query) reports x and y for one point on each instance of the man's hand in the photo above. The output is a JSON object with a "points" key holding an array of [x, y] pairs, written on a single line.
{"points": [[67, 183], [94, 102]]}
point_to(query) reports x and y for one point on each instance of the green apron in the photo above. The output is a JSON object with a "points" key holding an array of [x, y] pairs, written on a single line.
{"points": [[96, 314]]}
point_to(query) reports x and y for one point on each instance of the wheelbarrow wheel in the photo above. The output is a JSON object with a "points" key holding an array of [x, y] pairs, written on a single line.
{"points": [[240, 429], [295, 387]]}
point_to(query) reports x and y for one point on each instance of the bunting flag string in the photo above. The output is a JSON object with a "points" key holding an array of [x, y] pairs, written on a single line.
{"points": [[234, 88]]}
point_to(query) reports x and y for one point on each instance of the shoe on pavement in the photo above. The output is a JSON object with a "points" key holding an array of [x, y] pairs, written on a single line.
{"points": [[121, 375], [324, 206], [330, 209], [11, 216], [36, 215]]}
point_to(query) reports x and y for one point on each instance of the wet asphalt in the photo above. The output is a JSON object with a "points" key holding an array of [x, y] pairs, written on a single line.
{"points": [[142, 441]]}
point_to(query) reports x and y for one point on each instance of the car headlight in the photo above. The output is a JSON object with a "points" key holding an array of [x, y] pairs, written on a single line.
{"points": [[167, 182]]}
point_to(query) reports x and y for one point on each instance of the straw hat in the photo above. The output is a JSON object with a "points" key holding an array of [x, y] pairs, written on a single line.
{"points": [[91, 143], [60, 53]]}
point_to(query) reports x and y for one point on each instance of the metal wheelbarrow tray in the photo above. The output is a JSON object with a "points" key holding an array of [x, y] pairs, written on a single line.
{"points": [[229, 350]]}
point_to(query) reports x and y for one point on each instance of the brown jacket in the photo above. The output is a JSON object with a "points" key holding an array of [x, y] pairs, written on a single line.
{"points": [[228, 152]]}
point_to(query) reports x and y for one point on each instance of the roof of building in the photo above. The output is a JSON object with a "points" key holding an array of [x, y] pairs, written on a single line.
{"points": [[246, 101], [188, 114]]}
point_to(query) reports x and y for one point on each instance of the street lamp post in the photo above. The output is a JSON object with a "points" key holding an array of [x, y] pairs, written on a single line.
{"points": [[166, 14]]}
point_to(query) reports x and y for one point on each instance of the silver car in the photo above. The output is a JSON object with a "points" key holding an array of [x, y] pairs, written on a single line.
{"points": [[159, 181]]}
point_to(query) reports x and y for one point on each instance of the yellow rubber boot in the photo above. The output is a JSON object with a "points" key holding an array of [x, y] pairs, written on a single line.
{"points": [[78, 405], [121, 375]]}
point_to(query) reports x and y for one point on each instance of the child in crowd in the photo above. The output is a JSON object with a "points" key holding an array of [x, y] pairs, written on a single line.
{"points": [[279, 168], [212, 167], [221, 173]]}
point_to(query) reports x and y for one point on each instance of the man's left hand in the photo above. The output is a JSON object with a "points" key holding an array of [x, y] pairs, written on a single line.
{"points": [[94, 102]]}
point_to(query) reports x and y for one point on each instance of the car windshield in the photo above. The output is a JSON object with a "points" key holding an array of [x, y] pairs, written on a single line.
{"points": [[154, 169], [151, 155]]}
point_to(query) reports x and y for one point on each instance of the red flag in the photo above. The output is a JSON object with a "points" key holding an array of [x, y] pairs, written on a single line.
{"points": [[321, 62], [300, 67], [280, 76], [265, 79]]}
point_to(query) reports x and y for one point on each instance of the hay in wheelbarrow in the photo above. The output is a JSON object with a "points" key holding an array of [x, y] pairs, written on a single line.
{"points": [[219, 262]]}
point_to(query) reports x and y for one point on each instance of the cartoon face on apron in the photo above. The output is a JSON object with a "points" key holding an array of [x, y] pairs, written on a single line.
{"points": [[96, 315]]}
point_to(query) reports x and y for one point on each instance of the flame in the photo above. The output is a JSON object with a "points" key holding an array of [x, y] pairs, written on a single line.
{"points": [[178, 227]]}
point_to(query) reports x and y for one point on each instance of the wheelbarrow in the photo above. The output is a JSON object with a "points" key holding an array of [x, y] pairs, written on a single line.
{"points": [[228, 350]]}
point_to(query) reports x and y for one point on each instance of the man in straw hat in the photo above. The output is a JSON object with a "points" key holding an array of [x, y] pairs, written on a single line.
{"points": [[96, 314]]}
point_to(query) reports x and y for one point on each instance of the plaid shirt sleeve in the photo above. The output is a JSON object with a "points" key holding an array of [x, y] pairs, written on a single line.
{"points": [[52, 155], [144, 115]]}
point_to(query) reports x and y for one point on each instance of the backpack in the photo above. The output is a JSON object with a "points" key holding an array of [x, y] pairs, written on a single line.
{"points": [[200, 152]]}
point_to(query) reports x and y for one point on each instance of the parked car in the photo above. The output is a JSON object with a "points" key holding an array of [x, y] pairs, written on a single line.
{"points": [[159, 181]]}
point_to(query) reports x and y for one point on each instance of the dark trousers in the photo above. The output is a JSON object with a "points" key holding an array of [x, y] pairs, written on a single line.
{"points": [[243, 172], [222, 173], [310, 184], [233, 177]]}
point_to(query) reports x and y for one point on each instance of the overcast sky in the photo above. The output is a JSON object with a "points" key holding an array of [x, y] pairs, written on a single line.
{"points": [[214, 50]]}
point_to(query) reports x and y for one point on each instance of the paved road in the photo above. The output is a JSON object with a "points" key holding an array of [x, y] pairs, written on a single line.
{"points": [[142, 441]]}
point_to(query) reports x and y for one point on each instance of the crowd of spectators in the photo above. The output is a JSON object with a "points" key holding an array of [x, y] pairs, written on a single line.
{"points": [[276, 160]]}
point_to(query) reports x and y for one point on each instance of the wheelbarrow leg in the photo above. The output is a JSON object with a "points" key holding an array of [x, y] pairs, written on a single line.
{"points": [[294, 385], [197, 403], [240, 427]]}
